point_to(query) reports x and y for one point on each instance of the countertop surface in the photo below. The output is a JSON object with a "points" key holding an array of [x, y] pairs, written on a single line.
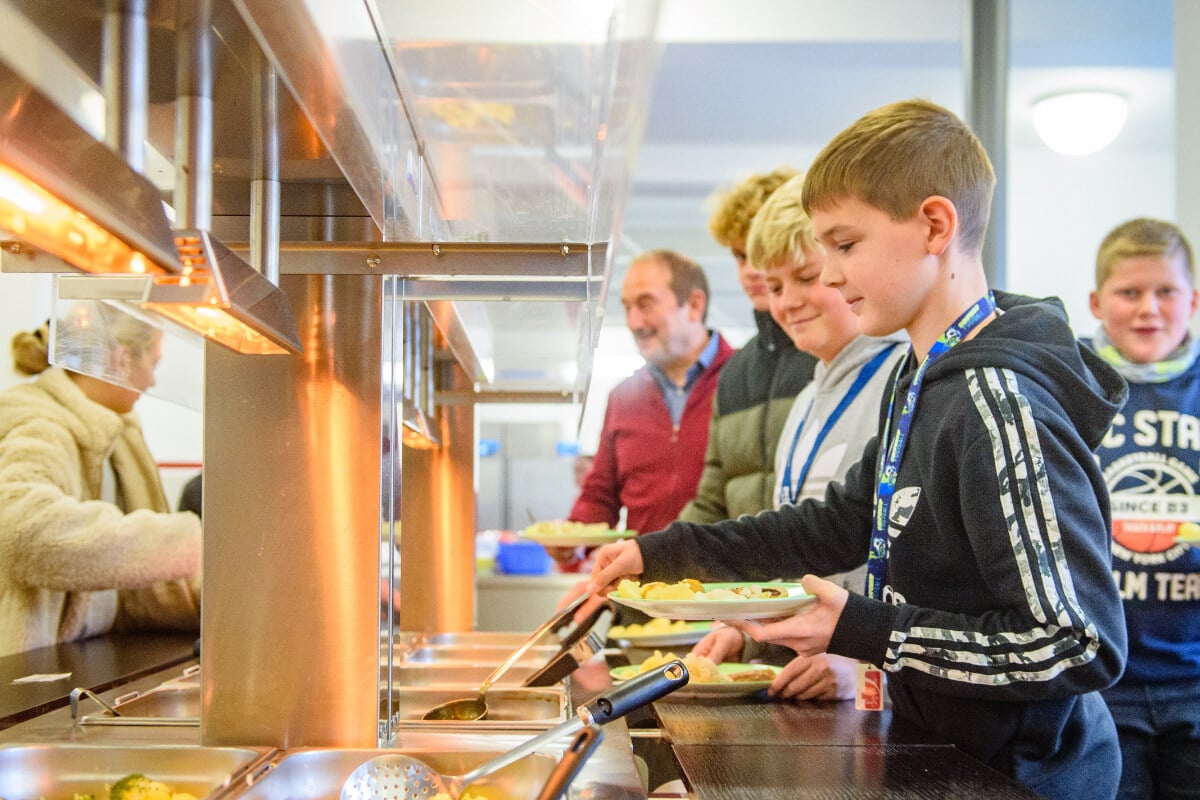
{"points": [[749, 749], [759, 750], [98, 664]]}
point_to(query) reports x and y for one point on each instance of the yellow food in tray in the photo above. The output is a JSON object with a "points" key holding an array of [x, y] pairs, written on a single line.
{"points": [[655, 627], [690, 589], [703, 669], [562, 527], [138, 787]]}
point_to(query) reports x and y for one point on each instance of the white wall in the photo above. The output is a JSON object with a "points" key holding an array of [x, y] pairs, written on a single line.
{"points": [[1061, 207]]}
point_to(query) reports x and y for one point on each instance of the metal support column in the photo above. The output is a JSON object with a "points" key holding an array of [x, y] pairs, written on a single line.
{"points": [[985, 67], [125, 79]]}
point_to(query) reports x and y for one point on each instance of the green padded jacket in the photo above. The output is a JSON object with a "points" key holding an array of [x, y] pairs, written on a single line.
{"points": [[754, 395]]}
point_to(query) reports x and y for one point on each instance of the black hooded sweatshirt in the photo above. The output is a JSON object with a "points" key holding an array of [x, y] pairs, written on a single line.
{"points": [[999, 608]]}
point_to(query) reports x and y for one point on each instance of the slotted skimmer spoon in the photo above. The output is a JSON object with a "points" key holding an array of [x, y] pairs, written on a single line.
{"points": [[394, 776], [466, 709]]}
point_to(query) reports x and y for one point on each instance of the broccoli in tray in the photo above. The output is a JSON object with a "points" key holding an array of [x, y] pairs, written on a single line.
{"points": [[139, 787]]}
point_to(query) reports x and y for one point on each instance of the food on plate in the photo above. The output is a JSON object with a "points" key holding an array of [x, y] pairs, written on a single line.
{"points": [[1187, 532], [562, 527], [691, 589], [465, 796], [655, 627], [703, 669]]}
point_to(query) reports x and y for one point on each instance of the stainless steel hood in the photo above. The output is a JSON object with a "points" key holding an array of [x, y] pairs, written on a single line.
{"points": [[124, 229], [224, 299], [471, 126]]}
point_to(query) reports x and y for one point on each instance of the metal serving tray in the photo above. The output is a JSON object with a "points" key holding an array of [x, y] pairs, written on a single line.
{"points": [[176, 701], [56, 772], [508, 709], [486, 638], [318, 774], [457, 674], [478, 654]]}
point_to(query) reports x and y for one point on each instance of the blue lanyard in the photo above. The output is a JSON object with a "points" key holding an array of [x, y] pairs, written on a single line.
{"points": [[889, 466], [791, 491]]}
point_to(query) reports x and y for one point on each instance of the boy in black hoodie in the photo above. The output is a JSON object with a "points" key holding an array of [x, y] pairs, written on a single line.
{"points": [[978, 507]]}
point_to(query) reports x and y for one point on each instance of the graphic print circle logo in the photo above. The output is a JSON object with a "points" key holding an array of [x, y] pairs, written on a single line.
{"points": [[1135, 482]]}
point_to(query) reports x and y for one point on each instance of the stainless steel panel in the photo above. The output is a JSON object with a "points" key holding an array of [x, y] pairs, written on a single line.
{"points": [[175, 704], [55, 772], [291, 528], [508, 709], [468, 675], [437, 568], [485, 638], [479, 654], [319, 774]]}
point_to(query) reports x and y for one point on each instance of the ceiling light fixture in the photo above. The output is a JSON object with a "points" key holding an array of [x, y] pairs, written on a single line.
{"points": [[1080, 123]]}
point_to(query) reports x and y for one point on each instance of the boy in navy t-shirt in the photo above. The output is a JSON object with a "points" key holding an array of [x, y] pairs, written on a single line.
{"points": [[1145, 300]]}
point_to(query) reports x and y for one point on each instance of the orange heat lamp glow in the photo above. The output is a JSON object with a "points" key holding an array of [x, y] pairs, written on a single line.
{"points": [[416, 440], [211, 318], [37, 217]]}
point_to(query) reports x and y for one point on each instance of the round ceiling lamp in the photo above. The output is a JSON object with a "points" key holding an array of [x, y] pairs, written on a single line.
{"points": [[1080, 123]]}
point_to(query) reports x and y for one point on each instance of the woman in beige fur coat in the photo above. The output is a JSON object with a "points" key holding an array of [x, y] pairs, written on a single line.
{"points": [[87, 540]]}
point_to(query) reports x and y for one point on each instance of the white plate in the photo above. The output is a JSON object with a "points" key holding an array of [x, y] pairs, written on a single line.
{"points": [[575, 535], [708, 690], [695, 632], [763, 608]]}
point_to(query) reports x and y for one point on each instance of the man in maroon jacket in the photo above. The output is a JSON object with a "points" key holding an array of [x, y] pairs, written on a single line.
{"points": [[651, 449]]}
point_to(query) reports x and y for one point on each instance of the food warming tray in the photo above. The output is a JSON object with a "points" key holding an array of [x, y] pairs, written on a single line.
{"points": [[508, 709], [318, 774], [56, 772]]}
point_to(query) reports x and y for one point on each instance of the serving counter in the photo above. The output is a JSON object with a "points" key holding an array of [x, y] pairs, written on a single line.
{"points": [[750, 749], [27, 688]]}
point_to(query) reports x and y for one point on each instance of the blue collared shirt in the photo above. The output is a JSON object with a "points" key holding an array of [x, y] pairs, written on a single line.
{"points": [[676, 396]]}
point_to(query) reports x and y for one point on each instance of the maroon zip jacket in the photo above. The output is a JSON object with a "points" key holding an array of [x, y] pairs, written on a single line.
{"points": [[643, 462]]}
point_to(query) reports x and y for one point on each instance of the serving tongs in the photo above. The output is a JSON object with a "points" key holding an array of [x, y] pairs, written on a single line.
{"points": [[467, 709], [571, 653], [394, 776], [578, 646]]}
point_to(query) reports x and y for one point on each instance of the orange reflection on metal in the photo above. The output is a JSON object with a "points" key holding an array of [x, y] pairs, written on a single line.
{"points": [[212, 319], [33, 215], [335, 465]]}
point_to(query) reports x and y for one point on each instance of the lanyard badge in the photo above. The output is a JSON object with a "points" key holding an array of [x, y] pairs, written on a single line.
{"points": [[789, 487], [889, 466]]}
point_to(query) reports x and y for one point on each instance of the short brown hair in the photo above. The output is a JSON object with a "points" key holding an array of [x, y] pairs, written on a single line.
{"points": [[896, 156], [1141, 237], [781, 230], [735, 207], [686, 275]]}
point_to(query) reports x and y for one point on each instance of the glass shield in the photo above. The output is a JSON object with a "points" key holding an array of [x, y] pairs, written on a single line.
{"points": [[118, 343]]}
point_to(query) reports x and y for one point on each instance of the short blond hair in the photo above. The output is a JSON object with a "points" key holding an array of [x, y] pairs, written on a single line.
{"points": [[781, 230], [896, 156], [1141, 237], [734, 208]]}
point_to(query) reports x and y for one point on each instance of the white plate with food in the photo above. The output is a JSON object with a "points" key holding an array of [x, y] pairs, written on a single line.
{"points": [[1187, 533], [692, 600], [561, 533], [708, 680], [659, 632]]}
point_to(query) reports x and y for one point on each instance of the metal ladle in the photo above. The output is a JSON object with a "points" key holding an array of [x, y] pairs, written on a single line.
{"points": [[395, 776], [467, 709]]}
